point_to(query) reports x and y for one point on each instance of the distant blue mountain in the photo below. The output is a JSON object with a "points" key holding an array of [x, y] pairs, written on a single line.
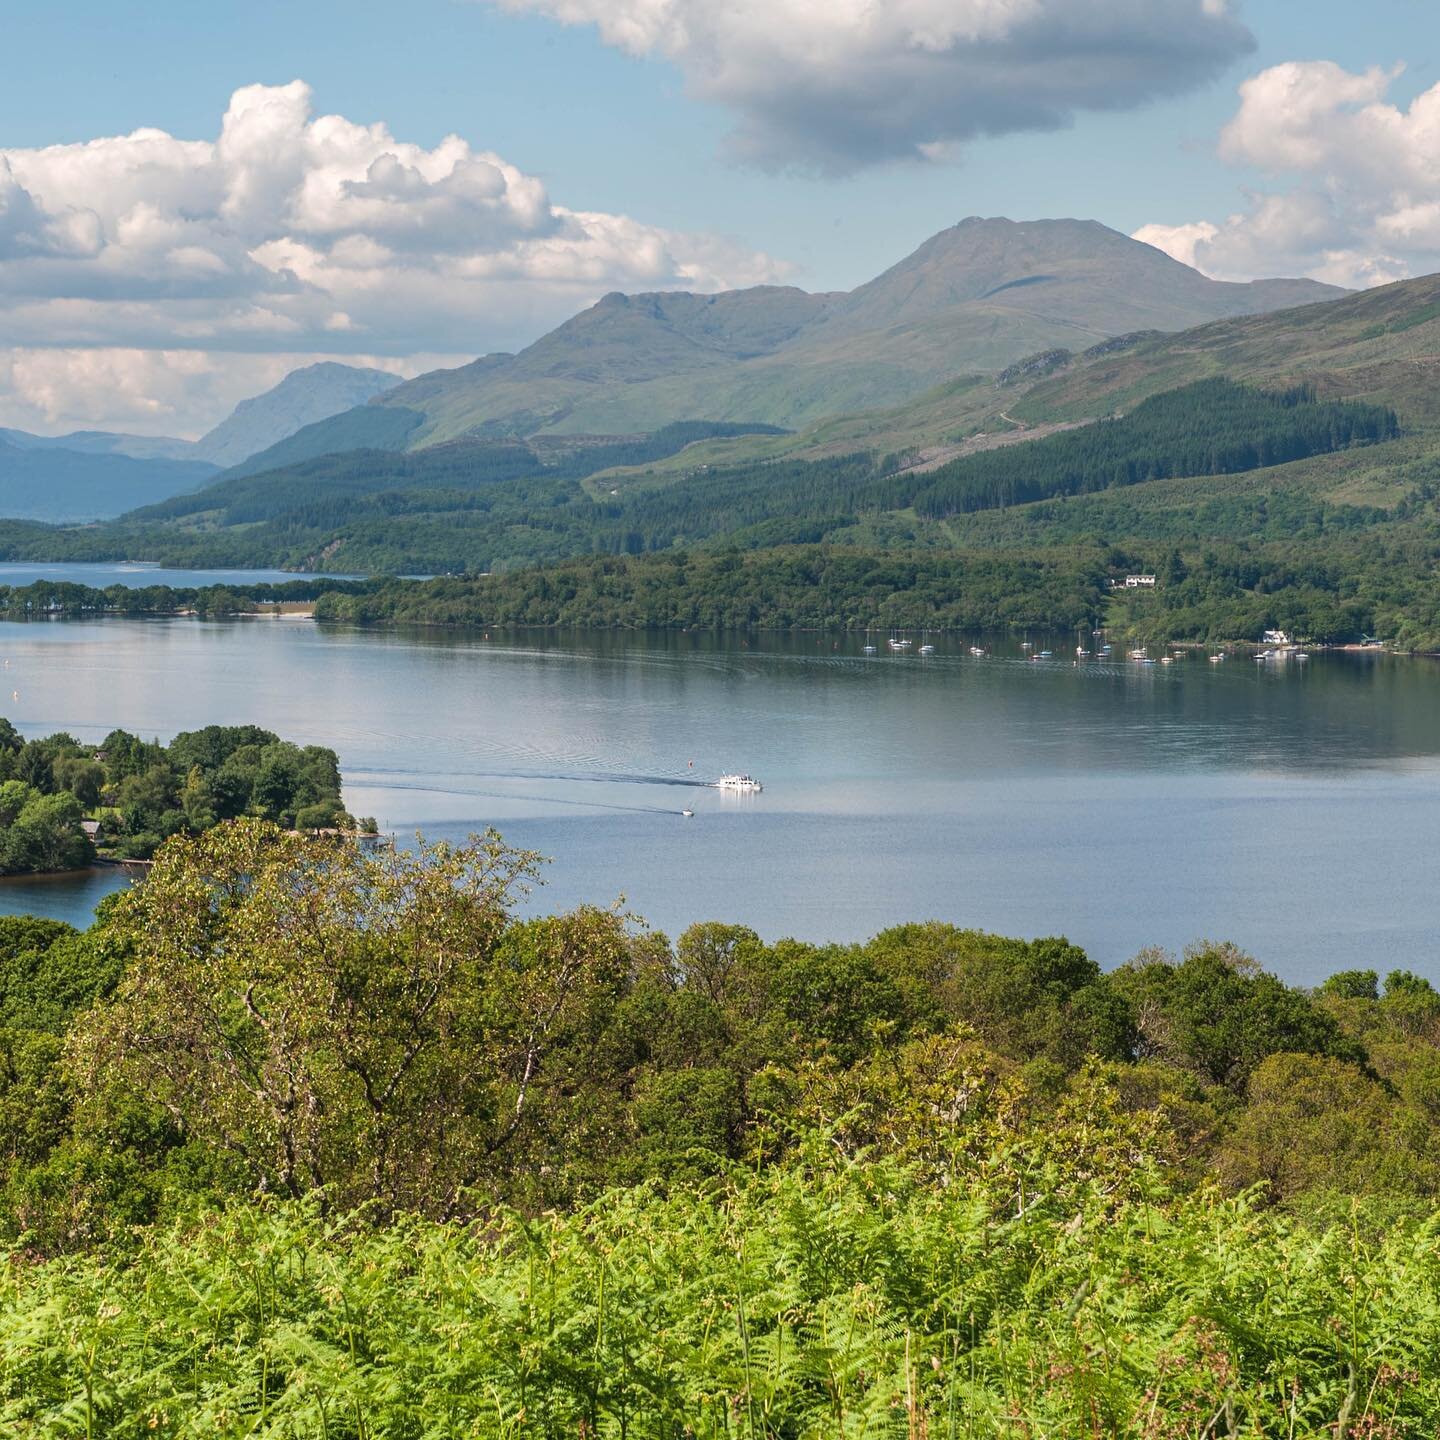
{"points": [[47, 482], [302, 398], [99, 474], [105, 442]]}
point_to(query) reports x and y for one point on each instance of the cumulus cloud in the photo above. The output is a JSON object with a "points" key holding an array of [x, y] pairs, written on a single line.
{"points": [[55, 389], [295, 235], [834, 85], [1365, 205]]}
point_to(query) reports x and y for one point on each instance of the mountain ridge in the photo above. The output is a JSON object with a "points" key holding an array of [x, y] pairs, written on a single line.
{"points": [[977, 296]]}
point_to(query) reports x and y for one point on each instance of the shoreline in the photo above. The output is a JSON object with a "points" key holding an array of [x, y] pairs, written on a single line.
{"points": [[305, 610], [100, 866]]}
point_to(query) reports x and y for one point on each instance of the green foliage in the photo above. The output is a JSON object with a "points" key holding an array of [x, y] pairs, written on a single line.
{"points": [[791, 588], [329, 1143], [360, 1024], [826, 1297], [1219, 1015], [1213, 427], [143, 792], [322, 490], [40, 832]]}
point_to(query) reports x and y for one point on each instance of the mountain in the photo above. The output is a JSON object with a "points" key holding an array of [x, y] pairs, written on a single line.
{"points": [[63, 486], [1197, 467], [105, 442], [367, 427], [976, 297], [1381, 344], [97, 475], [1075, 273], [304, 396]]}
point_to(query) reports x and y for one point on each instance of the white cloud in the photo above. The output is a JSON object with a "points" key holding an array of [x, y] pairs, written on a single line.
{"points": [[1181, 241], [154, 392], [299, 236], [1366, 208], [835, 85]]}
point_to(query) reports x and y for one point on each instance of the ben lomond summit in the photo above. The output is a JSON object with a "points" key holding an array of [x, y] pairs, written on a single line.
{"points": [[974, 298]]}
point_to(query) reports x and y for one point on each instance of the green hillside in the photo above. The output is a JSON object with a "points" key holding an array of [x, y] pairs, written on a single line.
{"points": [[1381, 345]]}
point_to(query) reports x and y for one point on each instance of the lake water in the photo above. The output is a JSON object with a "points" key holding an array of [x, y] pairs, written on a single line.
{"points": [[1292, 808], [135, 575]]}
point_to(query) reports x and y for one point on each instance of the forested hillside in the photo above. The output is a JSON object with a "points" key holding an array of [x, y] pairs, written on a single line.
{"points": [[299, 1140], [319, 493], [1213, 427], [483, 505], [1380, 345]]}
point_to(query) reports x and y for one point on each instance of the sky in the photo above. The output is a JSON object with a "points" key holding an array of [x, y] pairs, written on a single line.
{"points": [[196, 199]]}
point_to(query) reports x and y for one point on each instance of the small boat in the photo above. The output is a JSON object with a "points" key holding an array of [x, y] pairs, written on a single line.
{"points": [[895, 644], [1082, 652], [1138, 654], [976, 650], [1216, 659], [1167, 659], [1105, 649], [738, 785], [1046, 654], [688, 814], [1026, 645], [926, 650], [868, 649]]}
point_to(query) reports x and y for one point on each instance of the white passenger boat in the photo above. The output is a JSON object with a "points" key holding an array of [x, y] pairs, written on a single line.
{"points": [[738, 785]]}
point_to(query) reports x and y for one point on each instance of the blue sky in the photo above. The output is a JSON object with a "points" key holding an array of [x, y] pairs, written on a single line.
{"points": [[618, 134], [610, 132]]}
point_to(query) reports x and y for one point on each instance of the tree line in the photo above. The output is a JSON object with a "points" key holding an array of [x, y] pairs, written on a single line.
{"points": [[137, 793], [792, 587]]}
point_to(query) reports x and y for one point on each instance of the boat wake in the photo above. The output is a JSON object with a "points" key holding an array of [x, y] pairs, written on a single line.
{"points": [[440, 789], [592, 777]]}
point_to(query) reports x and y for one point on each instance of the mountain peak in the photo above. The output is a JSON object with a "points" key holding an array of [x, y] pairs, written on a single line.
{"points": [[305, 396], [1069, 271]]}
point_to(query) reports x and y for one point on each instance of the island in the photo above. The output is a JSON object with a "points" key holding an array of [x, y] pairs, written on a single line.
{"points": [[64, 804]]}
